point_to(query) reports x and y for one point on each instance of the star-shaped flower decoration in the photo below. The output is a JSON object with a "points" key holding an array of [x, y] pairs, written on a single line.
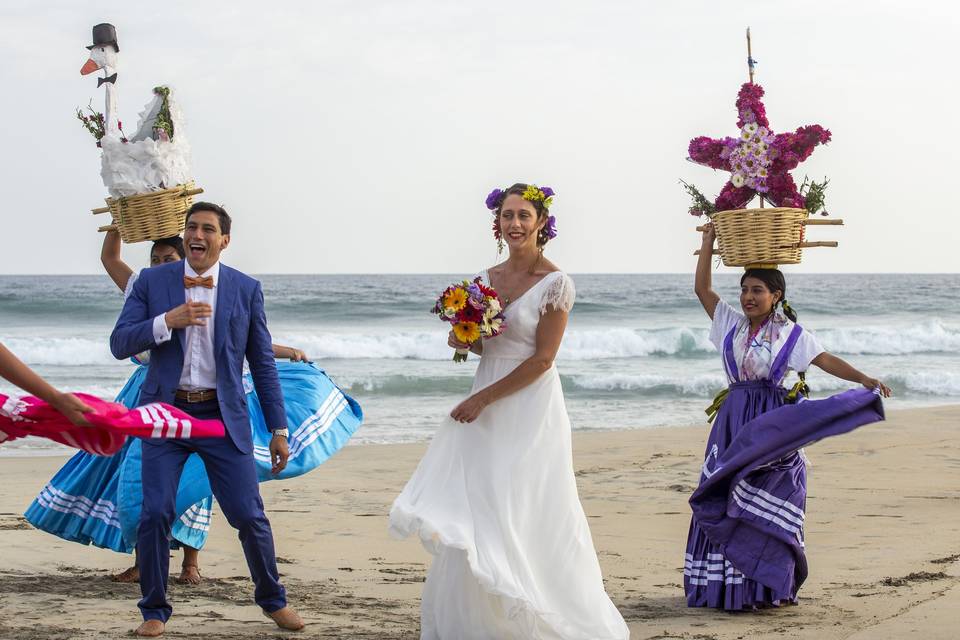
{"points": [[759, 160]]}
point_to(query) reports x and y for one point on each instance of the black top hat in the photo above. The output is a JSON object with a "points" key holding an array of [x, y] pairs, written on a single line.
{"points": [[104, 33]]}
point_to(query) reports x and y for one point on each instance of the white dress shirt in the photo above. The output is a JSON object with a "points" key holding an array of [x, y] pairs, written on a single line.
{"points": [[199, 364]]}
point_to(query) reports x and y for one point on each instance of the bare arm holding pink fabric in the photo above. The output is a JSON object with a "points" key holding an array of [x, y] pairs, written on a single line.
{"points": [[19, 374]]}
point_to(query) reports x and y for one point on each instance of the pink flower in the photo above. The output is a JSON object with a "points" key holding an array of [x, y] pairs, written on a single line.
{"points": [[750, 107], [708, 151], [732, 197]]}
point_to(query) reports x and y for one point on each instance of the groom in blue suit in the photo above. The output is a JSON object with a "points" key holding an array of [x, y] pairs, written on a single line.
{"points": [[199, 319]]}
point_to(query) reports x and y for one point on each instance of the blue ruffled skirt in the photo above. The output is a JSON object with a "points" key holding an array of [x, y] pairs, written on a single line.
{"points": [[96, 500]]}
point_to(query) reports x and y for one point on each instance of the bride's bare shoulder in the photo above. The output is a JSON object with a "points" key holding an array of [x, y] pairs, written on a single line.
{"points": [[546, 267], [495, 270]]}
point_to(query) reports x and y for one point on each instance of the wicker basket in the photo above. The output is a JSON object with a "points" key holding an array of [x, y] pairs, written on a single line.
{"points": [[771, 235], [150, 216]]}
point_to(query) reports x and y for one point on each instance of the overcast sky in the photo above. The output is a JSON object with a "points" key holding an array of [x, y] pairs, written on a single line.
{"points": [[362, 136]]}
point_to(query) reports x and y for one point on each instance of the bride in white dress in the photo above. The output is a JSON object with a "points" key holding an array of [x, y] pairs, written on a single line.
{"points": [[494, 499]]}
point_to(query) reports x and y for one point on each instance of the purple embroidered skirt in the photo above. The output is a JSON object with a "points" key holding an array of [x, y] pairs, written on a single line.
{"points": [[745, 548]]}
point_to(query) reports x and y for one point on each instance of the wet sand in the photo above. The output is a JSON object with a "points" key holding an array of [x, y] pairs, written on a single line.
{"points": [[883, 541]]}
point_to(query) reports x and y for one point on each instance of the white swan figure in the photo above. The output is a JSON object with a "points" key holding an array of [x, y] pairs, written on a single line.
{"points": [[151, 159]]}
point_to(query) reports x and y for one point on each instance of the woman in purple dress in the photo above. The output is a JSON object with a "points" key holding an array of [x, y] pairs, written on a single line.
{"points": [[749, 552]]}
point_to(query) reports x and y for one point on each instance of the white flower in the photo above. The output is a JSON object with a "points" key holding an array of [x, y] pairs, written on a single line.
{"points": [[737, 180], [12, 408], [493, 307], [750, 128]]}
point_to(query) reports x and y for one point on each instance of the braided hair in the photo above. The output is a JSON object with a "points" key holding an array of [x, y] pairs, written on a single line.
{"points": [[774, 281]]}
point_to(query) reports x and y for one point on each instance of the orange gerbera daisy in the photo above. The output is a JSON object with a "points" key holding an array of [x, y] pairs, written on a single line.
{"points": [[455, 299], [468, 332]]}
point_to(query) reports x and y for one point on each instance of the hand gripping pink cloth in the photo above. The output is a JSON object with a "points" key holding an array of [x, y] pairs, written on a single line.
{"points": [[111, 423]]}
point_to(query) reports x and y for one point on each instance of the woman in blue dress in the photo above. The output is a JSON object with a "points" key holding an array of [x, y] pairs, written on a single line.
{"points": [[96, 500], [748, 551]]}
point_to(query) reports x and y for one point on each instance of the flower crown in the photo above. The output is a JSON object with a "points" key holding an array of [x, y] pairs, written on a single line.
{"points": [[532, 193]]}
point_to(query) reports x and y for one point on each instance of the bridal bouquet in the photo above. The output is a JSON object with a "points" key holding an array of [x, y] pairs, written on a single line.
{"points": [[473, 309]]}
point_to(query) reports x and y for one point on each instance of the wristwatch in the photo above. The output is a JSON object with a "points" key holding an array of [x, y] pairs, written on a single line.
{"points": [[283, 433]]}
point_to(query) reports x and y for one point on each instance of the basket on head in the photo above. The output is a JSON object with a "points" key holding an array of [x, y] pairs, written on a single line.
{"points": [[771, 235], [152, 215]]}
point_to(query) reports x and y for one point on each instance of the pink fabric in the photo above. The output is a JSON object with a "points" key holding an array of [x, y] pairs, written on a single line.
{"points": [[112, 423]]}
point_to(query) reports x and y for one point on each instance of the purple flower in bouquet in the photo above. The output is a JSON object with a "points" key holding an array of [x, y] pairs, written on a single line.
{"points": [[493, 200], [547, 192], [476, 296]]}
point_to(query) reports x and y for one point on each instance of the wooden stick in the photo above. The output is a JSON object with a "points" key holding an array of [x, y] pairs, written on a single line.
{"points": [[109, 227], [750, 61], [192, 192], [819, 221], [802, 245], [806, 223], [100, 210]]}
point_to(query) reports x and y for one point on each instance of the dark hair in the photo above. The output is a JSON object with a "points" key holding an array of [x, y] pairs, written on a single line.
{"points": [[176, 242], [222, 214], [774, 281], [542, 212]]}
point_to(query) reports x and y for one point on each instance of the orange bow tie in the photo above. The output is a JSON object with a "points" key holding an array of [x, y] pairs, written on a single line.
{"points": [[190, 283]]}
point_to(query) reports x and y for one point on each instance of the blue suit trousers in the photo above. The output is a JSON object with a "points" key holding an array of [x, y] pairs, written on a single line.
{"points": [[233, 478]]}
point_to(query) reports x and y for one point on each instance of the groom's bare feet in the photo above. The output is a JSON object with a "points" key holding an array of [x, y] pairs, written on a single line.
{"points": [[189, 575], [130, 575], [286, 618], [150, 629]]}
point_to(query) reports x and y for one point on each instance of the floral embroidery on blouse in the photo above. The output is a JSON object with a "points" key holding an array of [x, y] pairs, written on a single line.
{"points": [[754, 354]]}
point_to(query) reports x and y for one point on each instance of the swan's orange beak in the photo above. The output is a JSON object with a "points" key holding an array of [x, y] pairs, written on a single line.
{"points": [[89, 67]]}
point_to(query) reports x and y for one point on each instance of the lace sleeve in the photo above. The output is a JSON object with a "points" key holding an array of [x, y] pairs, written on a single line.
{"points": [[129, 288], [559, 294]]}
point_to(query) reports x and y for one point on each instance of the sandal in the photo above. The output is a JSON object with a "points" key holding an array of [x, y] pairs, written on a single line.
{"points": [[181, 580]]}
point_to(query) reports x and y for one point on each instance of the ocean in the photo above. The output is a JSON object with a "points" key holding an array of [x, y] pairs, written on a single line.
{"points": [[635, 354]]}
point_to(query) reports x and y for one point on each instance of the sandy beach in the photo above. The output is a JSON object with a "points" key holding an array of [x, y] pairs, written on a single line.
{"points": [[883, 540]]}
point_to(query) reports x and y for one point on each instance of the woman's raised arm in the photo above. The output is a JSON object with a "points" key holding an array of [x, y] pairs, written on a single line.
{"points": [[703, 285], [116, 268]]}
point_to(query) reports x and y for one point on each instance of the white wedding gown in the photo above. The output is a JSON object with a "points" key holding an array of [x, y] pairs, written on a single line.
{"points": [[495, 501]]}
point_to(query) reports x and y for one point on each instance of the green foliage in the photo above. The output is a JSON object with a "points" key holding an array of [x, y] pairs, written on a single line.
{"points": [[814, 195], [164, 122], [699, 205], [93, 122]]}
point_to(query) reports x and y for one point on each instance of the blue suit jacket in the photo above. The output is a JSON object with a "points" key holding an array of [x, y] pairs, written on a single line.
{"points": [[240, 329]]}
